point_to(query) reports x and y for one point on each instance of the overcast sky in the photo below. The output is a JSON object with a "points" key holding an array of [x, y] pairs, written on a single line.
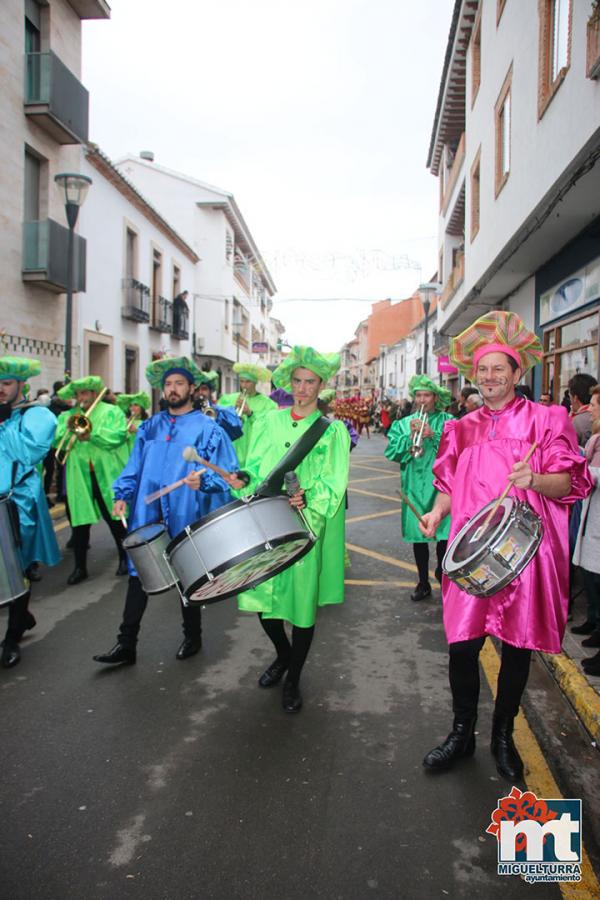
{"points": [[315, 115]]}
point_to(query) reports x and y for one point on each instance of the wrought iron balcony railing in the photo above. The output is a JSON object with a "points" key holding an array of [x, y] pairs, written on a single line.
{"points": [[137, 301]]}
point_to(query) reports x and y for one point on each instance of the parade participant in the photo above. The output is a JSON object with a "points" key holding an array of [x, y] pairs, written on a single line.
{"points": [[478, 455], [223, 415], [156, 461], [250, 404], [282, 398], [326, 404], [135, 408], [97, 456], [318, 578], [580, 386], [416, 476], [26, 435]]}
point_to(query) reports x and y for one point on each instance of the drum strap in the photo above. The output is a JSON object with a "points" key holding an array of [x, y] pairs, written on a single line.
{"points": [[273, 483]]}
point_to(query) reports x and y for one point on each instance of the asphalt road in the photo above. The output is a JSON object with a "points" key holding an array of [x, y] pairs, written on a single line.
{"points": [[174, 780]]}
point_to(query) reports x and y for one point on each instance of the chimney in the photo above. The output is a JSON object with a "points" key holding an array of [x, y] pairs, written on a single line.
{"points": [[148, 155]]}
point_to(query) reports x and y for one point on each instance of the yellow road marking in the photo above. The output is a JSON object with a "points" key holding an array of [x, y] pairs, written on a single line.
{"points": [[539, 778], [578, 691], [387, 512], [61, 525], [373, 494], [394, 471], [387, 559], [374, 583], [373, 478]]}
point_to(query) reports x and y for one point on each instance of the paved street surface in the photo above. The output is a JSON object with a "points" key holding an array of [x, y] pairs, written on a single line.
{"points": [[174, 780]]}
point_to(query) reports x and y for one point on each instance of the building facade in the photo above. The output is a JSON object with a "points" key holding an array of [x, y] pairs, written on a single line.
{"points": [[515, 146]]}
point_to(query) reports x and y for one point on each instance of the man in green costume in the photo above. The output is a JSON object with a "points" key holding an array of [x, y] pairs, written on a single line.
{"points": [[135, 408], [318, 578], [416, 472], [95, 460], [254, 407]]}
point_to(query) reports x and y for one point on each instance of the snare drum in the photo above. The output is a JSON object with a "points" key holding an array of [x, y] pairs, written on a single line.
{"points": [[483, 565], [12, 581], [146, 549], [237, 547]]}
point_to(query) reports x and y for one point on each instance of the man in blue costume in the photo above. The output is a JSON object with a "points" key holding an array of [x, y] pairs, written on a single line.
{"points": [[156, 461], [26, 436], [225, 416]]}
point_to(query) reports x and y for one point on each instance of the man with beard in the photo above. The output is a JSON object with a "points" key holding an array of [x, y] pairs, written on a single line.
{"points": [[25, 438], [225, 416], [155, 462], [95, 459], [478, 455]]}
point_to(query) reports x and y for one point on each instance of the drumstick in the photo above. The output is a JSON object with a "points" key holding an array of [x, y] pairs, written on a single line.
{"points": [[123, 521], [190, 454], [150, 498], [483, 528], [412, 508]]}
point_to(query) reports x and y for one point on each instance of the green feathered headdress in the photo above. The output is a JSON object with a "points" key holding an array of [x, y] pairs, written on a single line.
{"points": [[18, 368], [159, 369], [89, 383], [325, 365], [211, 378], [124, 401], [252, 372], [443, 397]]}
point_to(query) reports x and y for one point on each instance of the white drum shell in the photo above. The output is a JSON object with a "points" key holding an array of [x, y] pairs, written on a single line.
{"points": [[12, 580], [148, 557], [508, 548]]}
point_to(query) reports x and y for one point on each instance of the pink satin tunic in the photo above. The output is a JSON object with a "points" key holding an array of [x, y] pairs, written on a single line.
{"points": [[475, 457]]}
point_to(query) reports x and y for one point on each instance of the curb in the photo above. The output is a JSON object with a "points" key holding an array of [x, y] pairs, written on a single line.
{"points": [[582, 697]]}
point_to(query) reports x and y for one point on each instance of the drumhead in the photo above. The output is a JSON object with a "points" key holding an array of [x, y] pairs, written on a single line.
{"points": [[145, 534], [219, 513], [464, 548], [249, 569]]}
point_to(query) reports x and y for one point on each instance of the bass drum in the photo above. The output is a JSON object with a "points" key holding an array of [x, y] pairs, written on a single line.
{"points": [[237, 547], [484, 564]]}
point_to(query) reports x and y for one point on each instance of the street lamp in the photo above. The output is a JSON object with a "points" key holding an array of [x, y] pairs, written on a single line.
{"points": [[74, 188], [425, 292]]}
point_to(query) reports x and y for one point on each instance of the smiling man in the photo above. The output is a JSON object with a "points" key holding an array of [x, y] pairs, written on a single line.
{"points": [[478, 455], [318, 578]]}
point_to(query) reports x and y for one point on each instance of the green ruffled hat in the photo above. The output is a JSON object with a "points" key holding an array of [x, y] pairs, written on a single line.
{"points": [[325, 365], [19, 368], [327, 395], [252, 372], [157, 371], [89, 383], [443, 397], [124, 401], [211, 378]]}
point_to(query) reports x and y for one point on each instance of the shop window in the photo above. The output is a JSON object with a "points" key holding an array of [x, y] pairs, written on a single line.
{"points": [[570, 349]]}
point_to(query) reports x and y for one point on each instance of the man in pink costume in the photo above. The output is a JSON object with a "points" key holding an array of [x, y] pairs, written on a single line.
{"points": [[478, 455]]}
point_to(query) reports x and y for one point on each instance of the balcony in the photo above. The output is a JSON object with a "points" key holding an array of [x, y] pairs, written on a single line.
{"points": [[459, 158], [137, 301], [241, 271], [162, 318], [181, 324], [45, 256], [454, 281], [55, 99]]}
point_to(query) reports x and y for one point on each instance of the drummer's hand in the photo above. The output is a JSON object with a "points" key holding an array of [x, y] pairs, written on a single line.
{"points": [[234, 481], [431, 521], [297, 499], [522, 476], [193, 479], [119, 509]]}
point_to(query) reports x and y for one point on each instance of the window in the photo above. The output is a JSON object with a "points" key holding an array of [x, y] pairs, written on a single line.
{"points": [[228, 247], [502, 116], [226, 315], [475, 194], [131, 370], [554, 49], [31, 199], [32, 27], [569, 349], [476, 57], [156, 284], [176, 280], [131, 248]]}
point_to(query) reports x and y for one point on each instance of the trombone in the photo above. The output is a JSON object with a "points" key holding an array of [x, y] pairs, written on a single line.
{"points": [[77, 425], [416, 448], [240, 403], [206, 408]]}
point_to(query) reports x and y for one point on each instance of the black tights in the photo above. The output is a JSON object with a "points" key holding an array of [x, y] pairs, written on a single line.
{"points": [[81, 533], [464, 678], [421, 551], [19, 619], [296, 652]]}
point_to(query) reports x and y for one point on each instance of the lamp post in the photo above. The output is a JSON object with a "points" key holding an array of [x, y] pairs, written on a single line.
{"points": [[74, 187], [425, 292]]}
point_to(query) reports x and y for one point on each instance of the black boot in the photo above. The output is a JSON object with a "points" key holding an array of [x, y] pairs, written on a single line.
{"points": [[274, 673], [460, 742], [118, 654], [508, 762], [421, 591], [10, 654]]}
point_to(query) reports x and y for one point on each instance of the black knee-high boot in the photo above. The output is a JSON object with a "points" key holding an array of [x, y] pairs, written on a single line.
{"points": [[275, 630], [301, 641], [512, 678]]}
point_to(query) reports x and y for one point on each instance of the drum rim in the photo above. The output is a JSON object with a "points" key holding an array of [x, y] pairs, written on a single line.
{"points": [[4, 603], [241, 557], [219, 513], [143, 543], [484, 547]]}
